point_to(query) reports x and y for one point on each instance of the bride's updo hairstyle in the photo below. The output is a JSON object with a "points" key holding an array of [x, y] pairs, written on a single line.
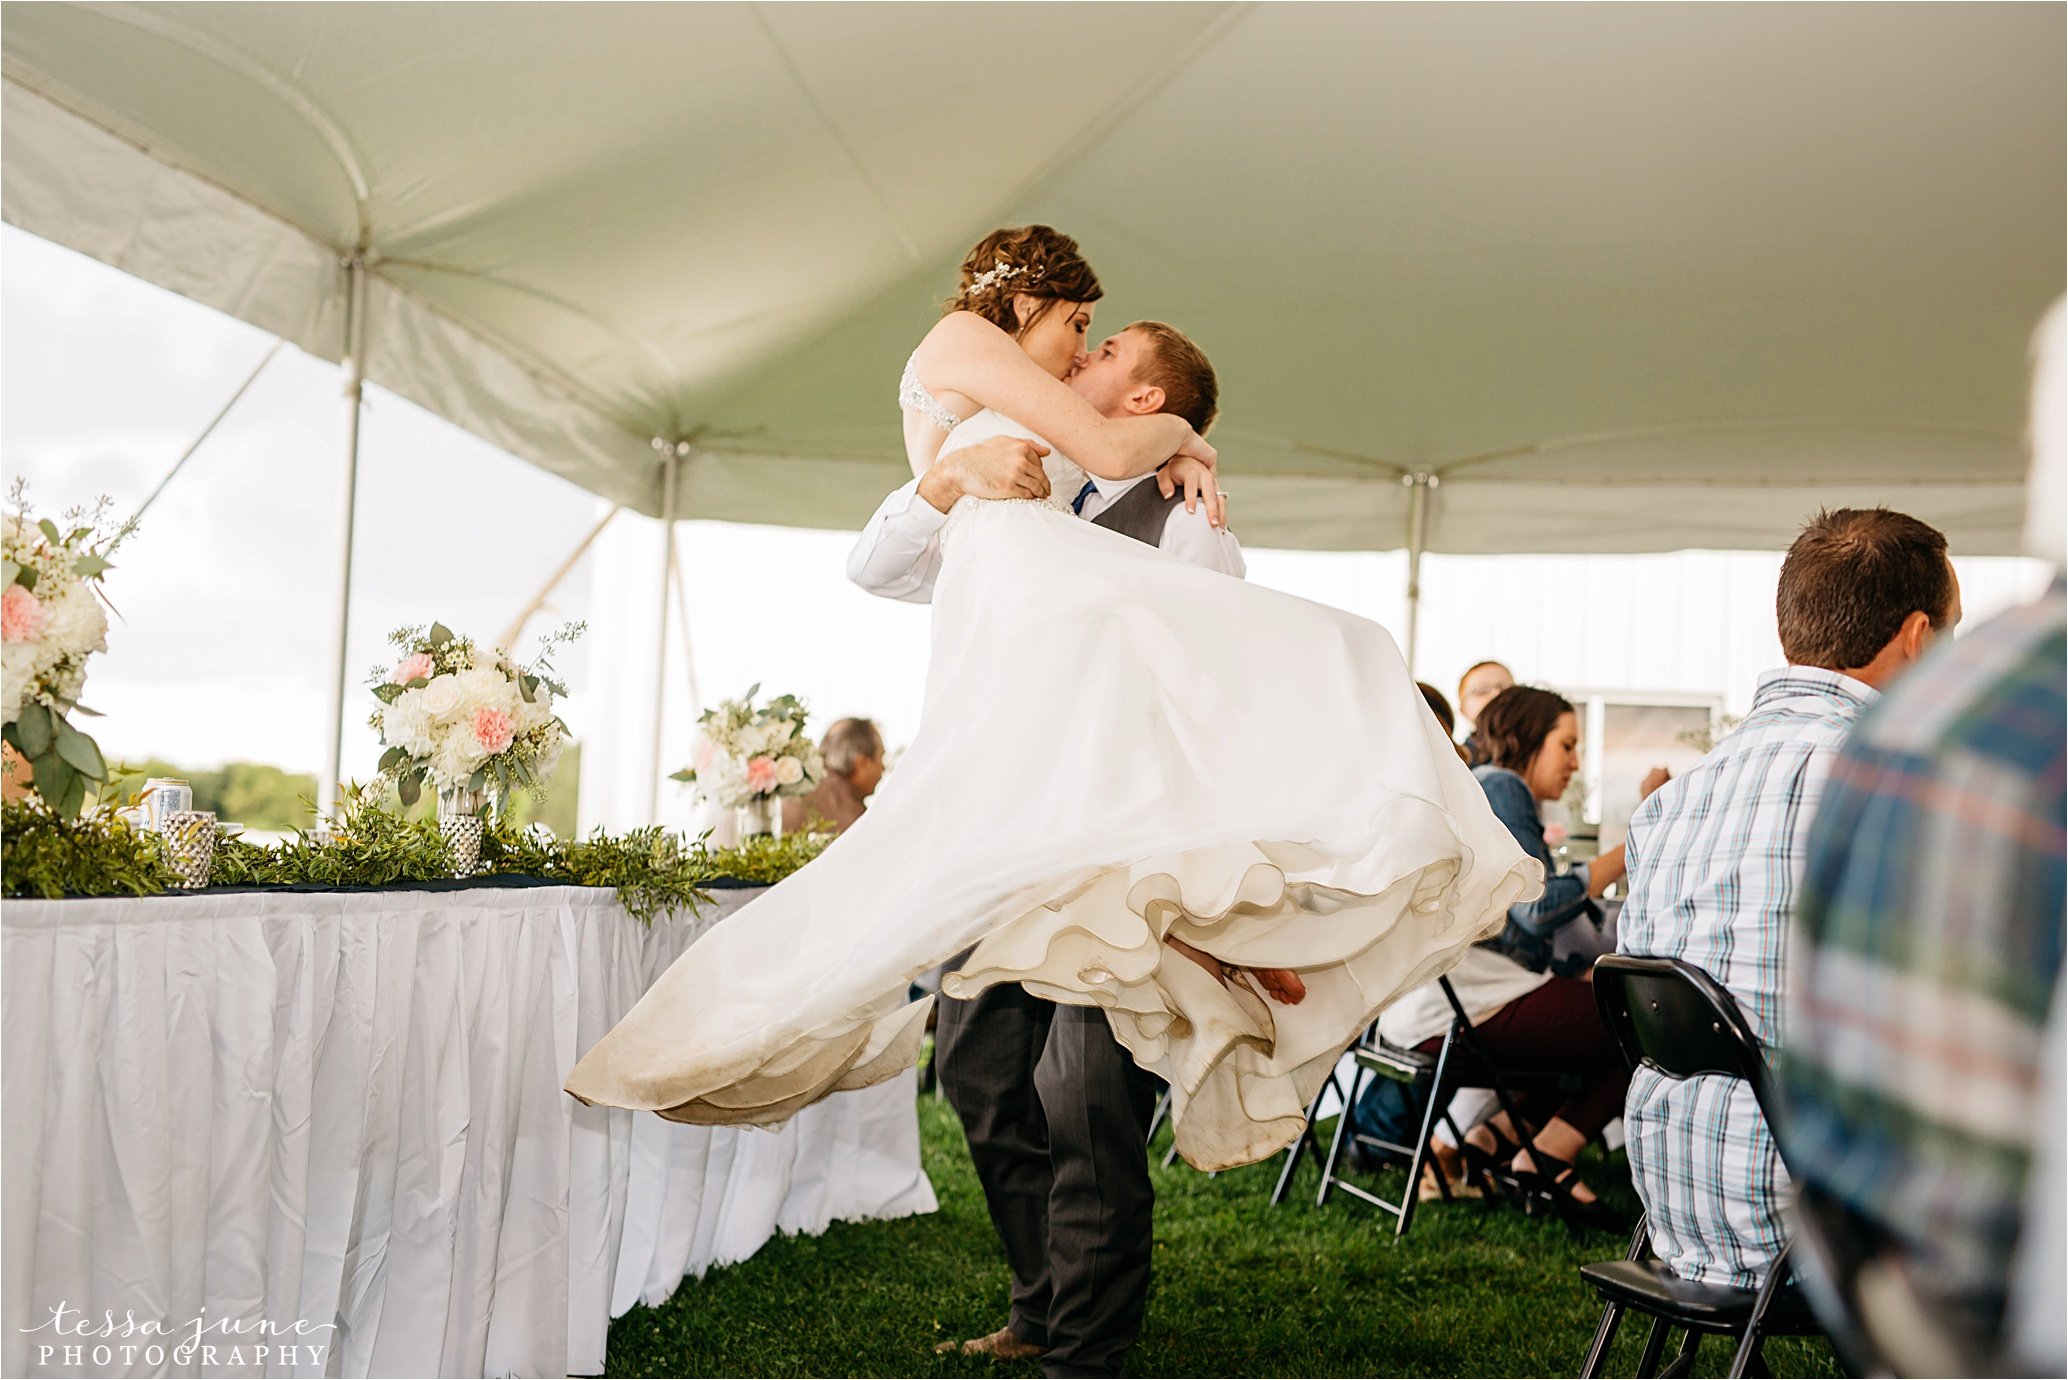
{"points": [[1035, 259]]}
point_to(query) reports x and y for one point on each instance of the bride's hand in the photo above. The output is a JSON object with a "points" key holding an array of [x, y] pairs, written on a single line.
{"points": [[1200, 485]]}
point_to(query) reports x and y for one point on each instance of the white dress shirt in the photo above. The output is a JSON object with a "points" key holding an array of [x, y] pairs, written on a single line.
{"points": [[899, 552]]}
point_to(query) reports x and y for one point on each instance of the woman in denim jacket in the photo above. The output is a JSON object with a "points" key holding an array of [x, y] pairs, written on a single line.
{"points": [[1523, 1014]]}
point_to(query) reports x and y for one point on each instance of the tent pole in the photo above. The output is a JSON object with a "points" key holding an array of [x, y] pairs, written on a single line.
{"points": [[1419, 484], [208, 430], [671, 456], [354, 366], [689, 660]]}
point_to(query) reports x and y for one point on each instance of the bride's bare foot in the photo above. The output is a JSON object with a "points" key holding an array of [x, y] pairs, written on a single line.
{"points": [[1282, 985], [1002, 1345]]}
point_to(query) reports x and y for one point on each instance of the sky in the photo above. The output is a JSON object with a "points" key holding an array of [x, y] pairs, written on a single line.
{"points": [[223, 648]]}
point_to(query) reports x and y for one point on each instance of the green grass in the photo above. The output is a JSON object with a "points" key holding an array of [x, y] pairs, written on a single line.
{"points": [[1240, 1288]]}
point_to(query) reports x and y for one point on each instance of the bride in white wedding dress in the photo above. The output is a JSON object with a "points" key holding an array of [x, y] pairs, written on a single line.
{"points": [[1119, 752]]}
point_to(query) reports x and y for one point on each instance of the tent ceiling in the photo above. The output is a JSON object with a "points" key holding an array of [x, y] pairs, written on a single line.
{"points": [[1623, 277]]}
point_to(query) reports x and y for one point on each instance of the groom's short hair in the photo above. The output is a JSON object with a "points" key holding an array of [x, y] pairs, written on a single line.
{"points": [[1180, 368]]}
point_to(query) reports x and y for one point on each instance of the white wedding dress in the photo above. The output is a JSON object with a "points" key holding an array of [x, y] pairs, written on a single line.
{"points": [[1116, 746]]}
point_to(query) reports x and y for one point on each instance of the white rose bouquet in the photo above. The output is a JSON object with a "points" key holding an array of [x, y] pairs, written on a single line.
{"points": [[50, 623], [463, 719], [743, 754]]}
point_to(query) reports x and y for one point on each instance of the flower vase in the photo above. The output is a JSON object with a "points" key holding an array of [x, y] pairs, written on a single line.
{"points": [[459, 820], [759, 817]]}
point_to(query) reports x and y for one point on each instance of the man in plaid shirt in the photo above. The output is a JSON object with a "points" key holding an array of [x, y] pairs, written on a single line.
{"points": [[1928, 955], [1716, 857]]}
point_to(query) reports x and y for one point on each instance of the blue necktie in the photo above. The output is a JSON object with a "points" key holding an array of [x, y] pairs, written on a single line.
{"points": [[1077, 504]]}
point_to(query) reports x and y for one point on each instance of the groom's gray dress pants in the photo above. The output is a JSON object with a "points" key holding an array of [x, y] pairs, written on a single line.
{"points": [[1057, 1117]]}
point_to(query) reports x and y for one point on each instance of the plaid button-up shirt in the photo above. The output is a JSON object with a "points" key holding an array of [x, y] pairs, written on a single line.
{"points": [[1928, 952], [1715, 859]]}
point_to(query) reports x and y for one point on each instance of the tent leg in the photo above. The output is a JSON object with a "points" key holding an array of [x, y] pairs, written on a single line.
{"points": [[1418, 484], [354, 365], [671, 458], [689, 660]]}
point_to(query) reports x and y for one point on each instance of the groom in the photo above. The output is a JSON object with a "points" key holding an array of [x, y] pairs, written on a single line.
{"points": [[1056, 1113]]}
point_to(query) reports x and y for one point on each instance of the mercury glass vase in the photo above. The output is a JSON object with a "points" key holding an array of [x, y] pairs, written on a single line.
{"points": [[761, 816], [459, 820]]}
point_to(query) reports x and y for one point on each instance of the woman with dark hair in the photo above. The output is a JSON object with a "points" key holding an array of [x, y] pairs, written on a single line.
{"points": [[1523, 1013]]}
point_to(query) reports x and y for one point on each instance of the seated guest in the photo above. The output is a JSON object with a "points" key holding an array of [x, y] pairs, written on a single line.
{"points": [[1440, 707], [1476, 690], [1928, 955], [1523, 1015], [1716, 858], [853, 750]]}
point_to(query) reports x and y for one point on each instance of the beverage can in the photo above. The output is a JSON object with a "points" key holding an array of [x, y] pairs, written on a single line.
{"points": [[164, 797]]}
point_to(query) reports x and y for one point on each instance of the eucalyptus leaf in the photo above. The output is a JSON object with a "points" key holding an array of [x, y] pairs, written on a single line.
{"points": [[387, 694], [73, 800], [27, 577], [439, 635], [54, 777], [409, 788], [478, 779], [81, 751], [50, 530], [391, 759], [35, 730], [90, 567], [9, 569]]}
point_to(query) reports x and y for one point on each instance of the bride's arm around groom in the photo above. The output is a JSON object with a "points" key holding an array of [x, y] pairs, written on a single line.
{"points": [[899, 553]]}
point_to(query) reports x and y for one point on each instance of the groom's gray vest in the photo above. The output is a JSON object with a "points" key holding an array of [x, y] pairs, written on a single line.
{"points": [[1140, 513]]}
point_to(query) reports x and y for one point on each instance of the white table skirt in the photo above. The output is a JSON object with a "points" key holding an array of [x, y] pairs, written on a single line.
{"points": [[344, 1111]]}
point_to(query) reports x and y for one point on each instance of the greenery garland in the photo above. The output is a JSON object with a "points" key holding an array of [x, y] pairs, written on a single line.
{"points": [[44, 854], [652, 870]]}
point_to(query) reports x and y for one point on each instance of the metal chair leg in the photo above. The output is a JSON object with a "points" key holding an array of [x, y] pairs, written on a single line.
{"points": [[1157, 1118], [1753, 1339], [1438, 1096], [1335, 1143], [1292, 1152], [1604, 1337], [1654, 1347], [1684, 1363]]}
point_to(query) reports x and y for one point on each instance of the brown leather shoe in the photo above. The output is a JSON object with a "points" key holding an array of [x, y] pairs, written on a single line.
{"points": [[1002, 1345]]}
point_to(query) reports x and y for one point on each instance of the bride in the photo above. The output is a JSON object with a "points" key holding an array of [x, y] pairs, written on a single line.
{"points": [[1137, 785]]}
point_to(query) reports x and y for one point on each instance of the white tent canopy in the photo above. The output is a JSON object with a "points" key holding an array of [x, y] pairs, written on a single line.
{"points": [[1620, 278]]}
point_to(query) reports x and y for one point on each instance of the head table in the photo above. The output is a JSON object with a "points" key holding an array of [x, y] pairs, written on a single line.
{"points": [[323, 1133]]}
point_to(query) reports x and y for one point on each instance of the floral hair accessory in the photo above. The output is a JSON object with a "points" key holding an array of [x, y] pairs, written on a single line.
{"points": [[1003, 272]]}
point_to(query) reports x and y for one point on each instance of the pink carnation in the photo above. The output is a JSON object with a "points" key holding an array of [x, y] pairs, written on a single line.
{"points": [[21, 615], [761, 775], [415, 666], [494, 729]]}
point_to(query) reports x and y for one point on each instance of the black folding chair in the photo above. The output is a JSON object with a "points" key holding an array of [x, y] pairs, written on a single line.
{"points": [[1308, 1141], [1671, 1016], [1459, 1062]]}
